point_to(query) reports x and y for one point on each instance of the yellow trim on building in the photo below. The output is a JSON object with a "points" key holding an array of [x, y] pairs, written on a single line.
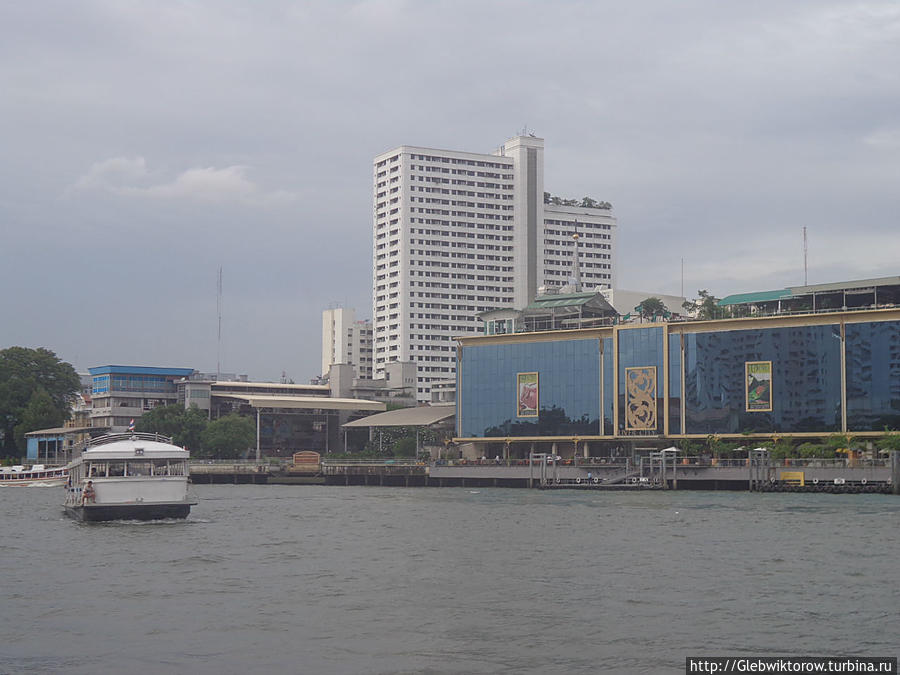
{"points": [[681, 327]]}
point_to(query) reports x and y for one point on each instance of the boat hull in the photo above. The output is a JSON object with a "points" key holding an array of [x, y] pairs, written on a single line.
{"points": [[37, 482], [106, 512]]}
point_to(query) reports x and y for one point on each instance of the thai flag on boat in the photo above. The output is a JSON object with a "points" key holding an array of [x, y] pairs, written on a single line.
{"points": [[131, 425]]}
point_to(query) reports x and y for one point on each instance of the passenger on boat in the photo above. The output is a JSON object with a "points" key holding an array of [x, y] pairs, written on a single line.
{"points": [[88, 495]]}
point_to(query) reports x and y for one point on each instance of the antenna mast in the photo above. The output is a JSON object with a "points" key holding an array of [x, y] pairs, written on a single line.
{"points": [[219, 332], [805, 275], [576, 237]]}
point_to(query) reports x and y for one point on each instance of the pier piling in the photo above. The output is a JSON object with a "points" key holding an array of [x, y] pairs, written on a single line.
{"points": [[895, 472]]}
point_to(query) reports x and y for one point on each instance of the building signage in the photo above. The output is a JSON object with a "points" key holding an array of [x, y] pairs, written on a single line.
{"points": [[758, 381], [527, 395]]}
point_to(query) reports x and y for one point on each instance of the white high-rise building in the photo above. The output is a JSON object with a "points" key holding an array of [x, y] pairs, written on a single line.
{"points": [[346, 340], [458, 233]]}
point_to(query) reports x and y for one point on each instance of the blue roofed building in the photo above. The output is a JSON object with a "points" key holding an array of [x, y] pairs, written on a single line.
{"points": [[124, 393]]}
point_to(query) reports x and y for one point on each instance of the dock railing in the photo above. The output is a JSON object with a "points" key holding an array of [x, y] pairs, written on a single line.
{"points": [[127, 436], [838, 463], [405, 461]]}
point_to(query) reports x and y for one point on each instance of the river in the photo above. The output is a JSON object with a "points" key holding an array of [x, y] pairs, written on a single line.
{"points": [[315, 579]]}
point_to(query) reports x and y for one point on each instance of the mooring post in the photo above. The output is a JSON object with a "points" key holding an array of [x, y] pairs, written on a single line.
{"points": [[750, 460], [674, 472], [895, 472]]}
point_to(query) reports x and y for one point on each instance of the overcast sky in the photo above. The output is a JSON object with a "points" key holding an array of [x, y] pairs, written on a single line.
{"points": [[145, 144]]}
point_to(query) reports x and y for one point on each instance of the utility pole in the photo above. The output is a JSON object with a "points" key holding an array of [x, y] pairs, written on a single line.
{"points": [[219, 333], [805, 275]]}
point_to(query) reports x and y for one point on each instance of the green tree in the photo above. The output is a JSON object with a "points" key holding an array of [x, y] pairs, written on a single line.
{"points": [[837, 442], [706, 306], [40, 413], [185, 426], [228, 437], [651, 308], [405, 447], [890, 441], [23, 372], [588, 203], [782, 447], [810, 449]]}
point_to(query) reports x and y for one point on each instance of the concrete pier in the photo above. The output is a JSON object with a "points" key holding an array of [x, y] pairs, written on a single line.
{"points": [[229, 472], [763, 475]]}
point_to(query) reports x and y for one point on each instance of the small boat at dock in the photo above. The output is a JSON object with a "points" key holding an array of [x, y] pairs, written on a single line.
{"points": [[130, 476]]}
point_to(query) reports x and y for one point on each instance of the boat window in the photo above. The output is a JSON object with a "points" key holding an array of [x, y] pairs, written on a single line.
{"points": [[176, 468], [139, 467], [97, 469], [117, 468], [160, 467]]}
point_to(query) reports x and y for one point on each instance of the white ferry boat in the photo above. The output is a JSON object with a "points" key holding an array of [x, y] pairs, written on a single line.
{"points": [[131, 476], [38, 475]]}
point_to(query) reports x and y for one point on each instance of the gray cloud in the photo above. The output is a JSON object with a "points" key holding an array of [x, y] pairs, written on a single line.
{"points": [[146, 144], [119, 175]]}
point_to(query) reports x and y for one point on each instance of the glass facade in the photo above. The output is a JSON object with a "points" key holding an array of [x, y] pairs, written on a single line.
{"points": [[793, 385], [674, 384], [873, 376], [805, 385], [641, 347], [608, 389], [568, 391], [141, 383], [100, 384]]}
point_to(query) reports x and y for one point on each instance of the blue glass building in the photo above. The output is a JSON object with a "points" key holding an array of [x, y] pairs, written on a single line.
{"points": [[124, 393], [808, 375]]}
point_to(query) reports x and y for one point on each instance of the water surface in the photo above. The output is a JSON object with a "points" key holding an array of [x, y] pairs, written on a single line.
{"points": [[311, 579]]}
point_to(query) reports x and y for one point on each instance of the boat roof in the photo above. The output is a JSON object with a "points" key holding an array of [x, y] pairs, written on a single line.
{"points": [[129, 446]]}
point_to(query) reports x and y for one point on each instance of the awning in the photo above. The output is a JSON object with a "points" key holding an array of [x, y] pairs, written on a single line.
{"points": [[845, 285], [60, 431], [406, 417], [305, 402], [750, 298]]}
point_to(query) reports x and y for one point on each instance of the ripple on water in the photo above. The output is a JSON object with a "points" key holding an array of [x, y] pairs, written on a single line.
{"points": [[385, 580]]}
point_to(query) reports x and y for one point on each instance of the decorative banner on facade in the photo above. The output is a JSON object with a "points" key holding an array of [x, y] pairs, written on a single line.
{"points": [[527, 395], [759, 385], [640, 398]]}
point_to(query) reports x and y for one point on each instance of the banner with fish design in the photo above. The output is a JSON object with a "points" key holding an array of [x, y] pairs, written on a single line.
{"points": [[758, 380]]}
